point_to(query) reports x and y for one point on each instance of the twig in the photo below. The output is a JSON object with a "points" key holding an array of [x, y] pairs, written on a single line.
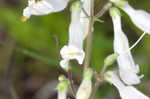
{"points": [[57, 47], [98, 81], [89, 37], [85, 12], [96, 85], [103, 10], [71, 83]]}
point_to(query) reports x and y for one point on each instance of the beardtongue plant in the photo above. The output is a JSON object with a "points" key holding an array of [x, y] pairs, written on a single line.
{"points": [[81, 28]]}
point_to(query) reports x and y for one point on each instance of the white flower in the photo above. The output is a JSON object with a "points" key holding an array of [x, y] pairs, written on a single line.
{"points": [[62, 95], [85, 88], [126, 92], [76, 36], [127, 68], [62, 87], [71, 52], [84, 19], [140, 18], [43, 7]]}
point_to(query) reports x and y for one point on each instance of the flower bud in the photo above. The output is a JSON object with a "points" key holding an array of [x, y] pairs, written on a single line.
{"points": [[85, 88], [62, 87], [111, 59]]}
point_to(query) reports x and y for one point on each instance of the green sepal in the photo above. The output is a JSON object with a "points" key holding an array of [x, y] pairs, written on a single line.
{"points": [[98, 20], [114, 12], [88, 73], [111, 59], [63, 84], [121, 3], [108, 74], [77, 5]]}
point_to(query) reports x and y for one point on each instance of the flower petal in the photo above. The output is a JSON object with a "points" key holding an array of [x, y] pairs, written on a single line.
{"points": [[62, 95], [43, 7], [84, 18], [129, 92], [126, 92], [38, 8], [140, 18], [127, 68], [64, 64], [72, 52]]}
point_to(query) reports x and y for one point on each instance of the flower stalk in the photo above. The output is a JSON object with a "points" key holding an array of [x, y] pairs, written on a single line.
{"points": [[71, 82], [89, 37]]}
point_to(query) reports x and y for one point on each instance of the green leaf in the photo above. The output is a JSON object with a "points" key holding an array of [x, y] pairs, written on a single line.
{"points": [[39, 57]]}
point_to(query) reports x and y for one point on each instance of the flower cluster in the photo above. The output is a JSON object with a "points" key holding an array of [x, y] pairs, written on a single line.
{"points": [[128, 70], [128, 74]]}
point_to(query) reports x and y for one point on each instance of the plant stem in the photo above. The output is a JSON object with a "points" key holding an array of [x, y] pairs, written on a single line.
{"points": [[57, 47], [89, 37], [103, 10], [96, 85], [98, 81], [100, 76], [71, 83]]}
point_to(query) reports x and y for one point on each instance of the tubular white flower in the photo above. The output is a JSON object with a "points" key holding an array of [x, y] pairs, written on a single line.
{"points": [[76, 36], [127, 68], [126, 92], [85, 88], [62, 87], [71, 52], [62, 95], [65, 62], [43, 7], [84, 19], [140, 18]]}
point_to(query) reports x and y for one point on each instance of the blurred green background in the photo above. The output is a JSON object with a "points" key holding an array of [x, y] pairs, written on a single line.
{"points": [[29, 66]]}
